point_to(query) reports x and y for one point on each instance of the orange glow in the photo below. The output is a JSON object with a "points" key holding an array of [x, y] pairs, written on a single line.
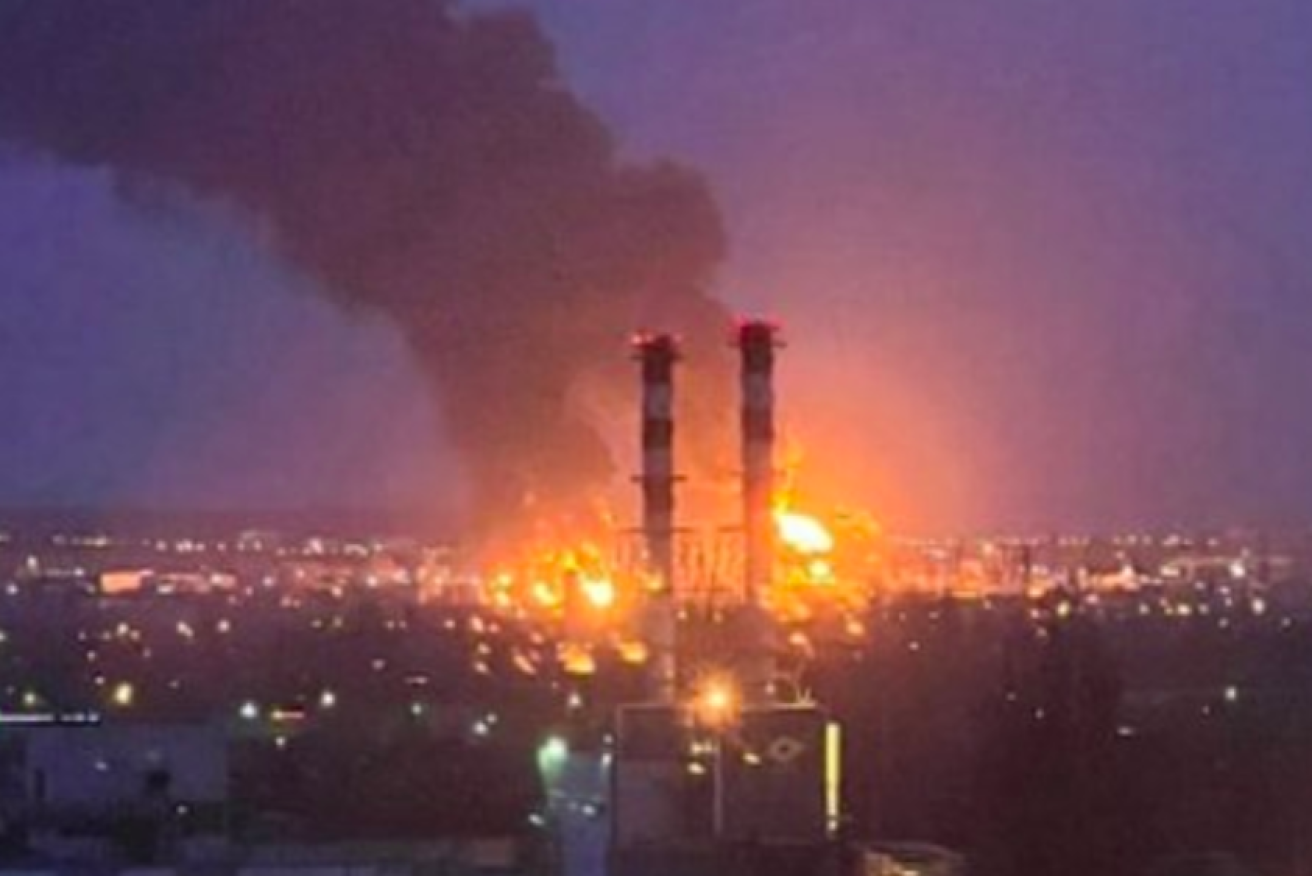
{"points": [[717, 702], [584, 585], [599, 592], [117, 582], [632, 651], [545, 595], [577, 660], [820, 571]]}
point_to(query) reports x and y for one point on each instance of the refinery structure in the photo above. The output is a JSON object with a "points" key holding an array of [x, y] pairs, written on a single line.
{"points": [[717, 769], [250, 699], [506, 671], [772, 570]]}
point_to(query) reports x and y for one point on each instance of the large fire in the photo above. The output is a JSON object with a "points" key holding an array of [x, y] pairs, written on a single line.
{"points": [[802, 533], [584, 585]]}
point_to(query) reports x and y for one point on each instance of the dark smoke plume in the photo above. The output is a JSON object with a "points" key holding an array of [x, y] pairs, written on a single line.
{"points": [[414, 160]]}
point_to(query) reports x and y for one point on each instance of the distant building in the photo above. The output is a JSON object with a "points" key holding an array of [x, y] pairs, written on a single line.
{"points": [[137, 792], [760, 796]]}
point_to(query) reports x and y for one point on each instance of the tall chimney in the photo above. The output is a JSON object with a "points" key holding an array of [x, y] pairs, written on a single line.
{"points": [[757, 342], [657, 355]]}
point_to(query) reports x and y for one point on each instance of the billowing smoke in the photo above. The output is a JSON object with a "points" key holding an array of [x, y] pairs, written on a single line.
{"points": [[414, 160]]}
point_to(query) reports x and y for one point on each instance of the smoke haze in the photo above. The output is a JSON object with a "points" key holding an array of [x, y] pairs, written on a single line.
{"points": [[420, 163]]}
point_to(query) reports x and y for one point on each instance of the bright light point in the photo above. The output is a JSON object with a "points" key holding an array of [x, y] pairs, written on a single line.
{"points": [[802, 533], [124, 695], [577, 660], [545, 595], [820, 572], [717, 703], [327, 700], [553, 753], [250, 710], [599, 592], [633, 652]]}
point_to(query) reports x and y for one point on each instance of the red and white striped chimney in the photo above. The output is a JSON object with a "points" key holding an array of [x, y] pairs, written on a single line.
{"points": [[757, 342], [657, 355]]}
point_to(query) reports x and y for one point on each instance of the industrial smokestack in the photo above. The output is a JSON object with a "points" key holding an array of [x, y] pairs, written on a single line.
{"points": [[757, 342], [657, 355]]}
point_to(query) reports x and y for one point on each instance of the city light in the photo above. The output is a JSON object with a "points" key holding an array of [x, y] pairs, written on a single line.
{"points": [[552, 754], [123, 695], [716, 703]]}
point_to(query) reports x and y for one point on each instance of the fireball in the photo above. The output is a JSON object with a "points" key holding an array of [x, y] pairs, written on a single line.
{"points": [[802, 533]]}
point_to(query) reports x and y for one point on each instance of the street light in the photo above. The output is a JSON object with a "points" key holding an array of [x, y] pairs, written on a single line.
{"points": [[717, 704]]}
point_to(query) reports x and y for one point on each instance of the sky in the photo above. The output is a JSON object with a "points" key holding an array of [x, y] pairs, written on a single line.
{"points": [[1040, 264], [151, 360]]}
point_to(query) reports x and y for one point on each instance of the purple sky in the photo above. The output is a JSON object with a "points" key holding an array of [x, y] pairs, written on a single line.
{"points": [[149, 360], [1041, 264]]}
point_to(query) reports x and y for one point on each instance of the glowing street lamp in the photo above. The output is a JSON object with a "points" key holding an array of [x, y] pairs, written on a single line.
{"points": [[552, 755], [717, 704]]}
